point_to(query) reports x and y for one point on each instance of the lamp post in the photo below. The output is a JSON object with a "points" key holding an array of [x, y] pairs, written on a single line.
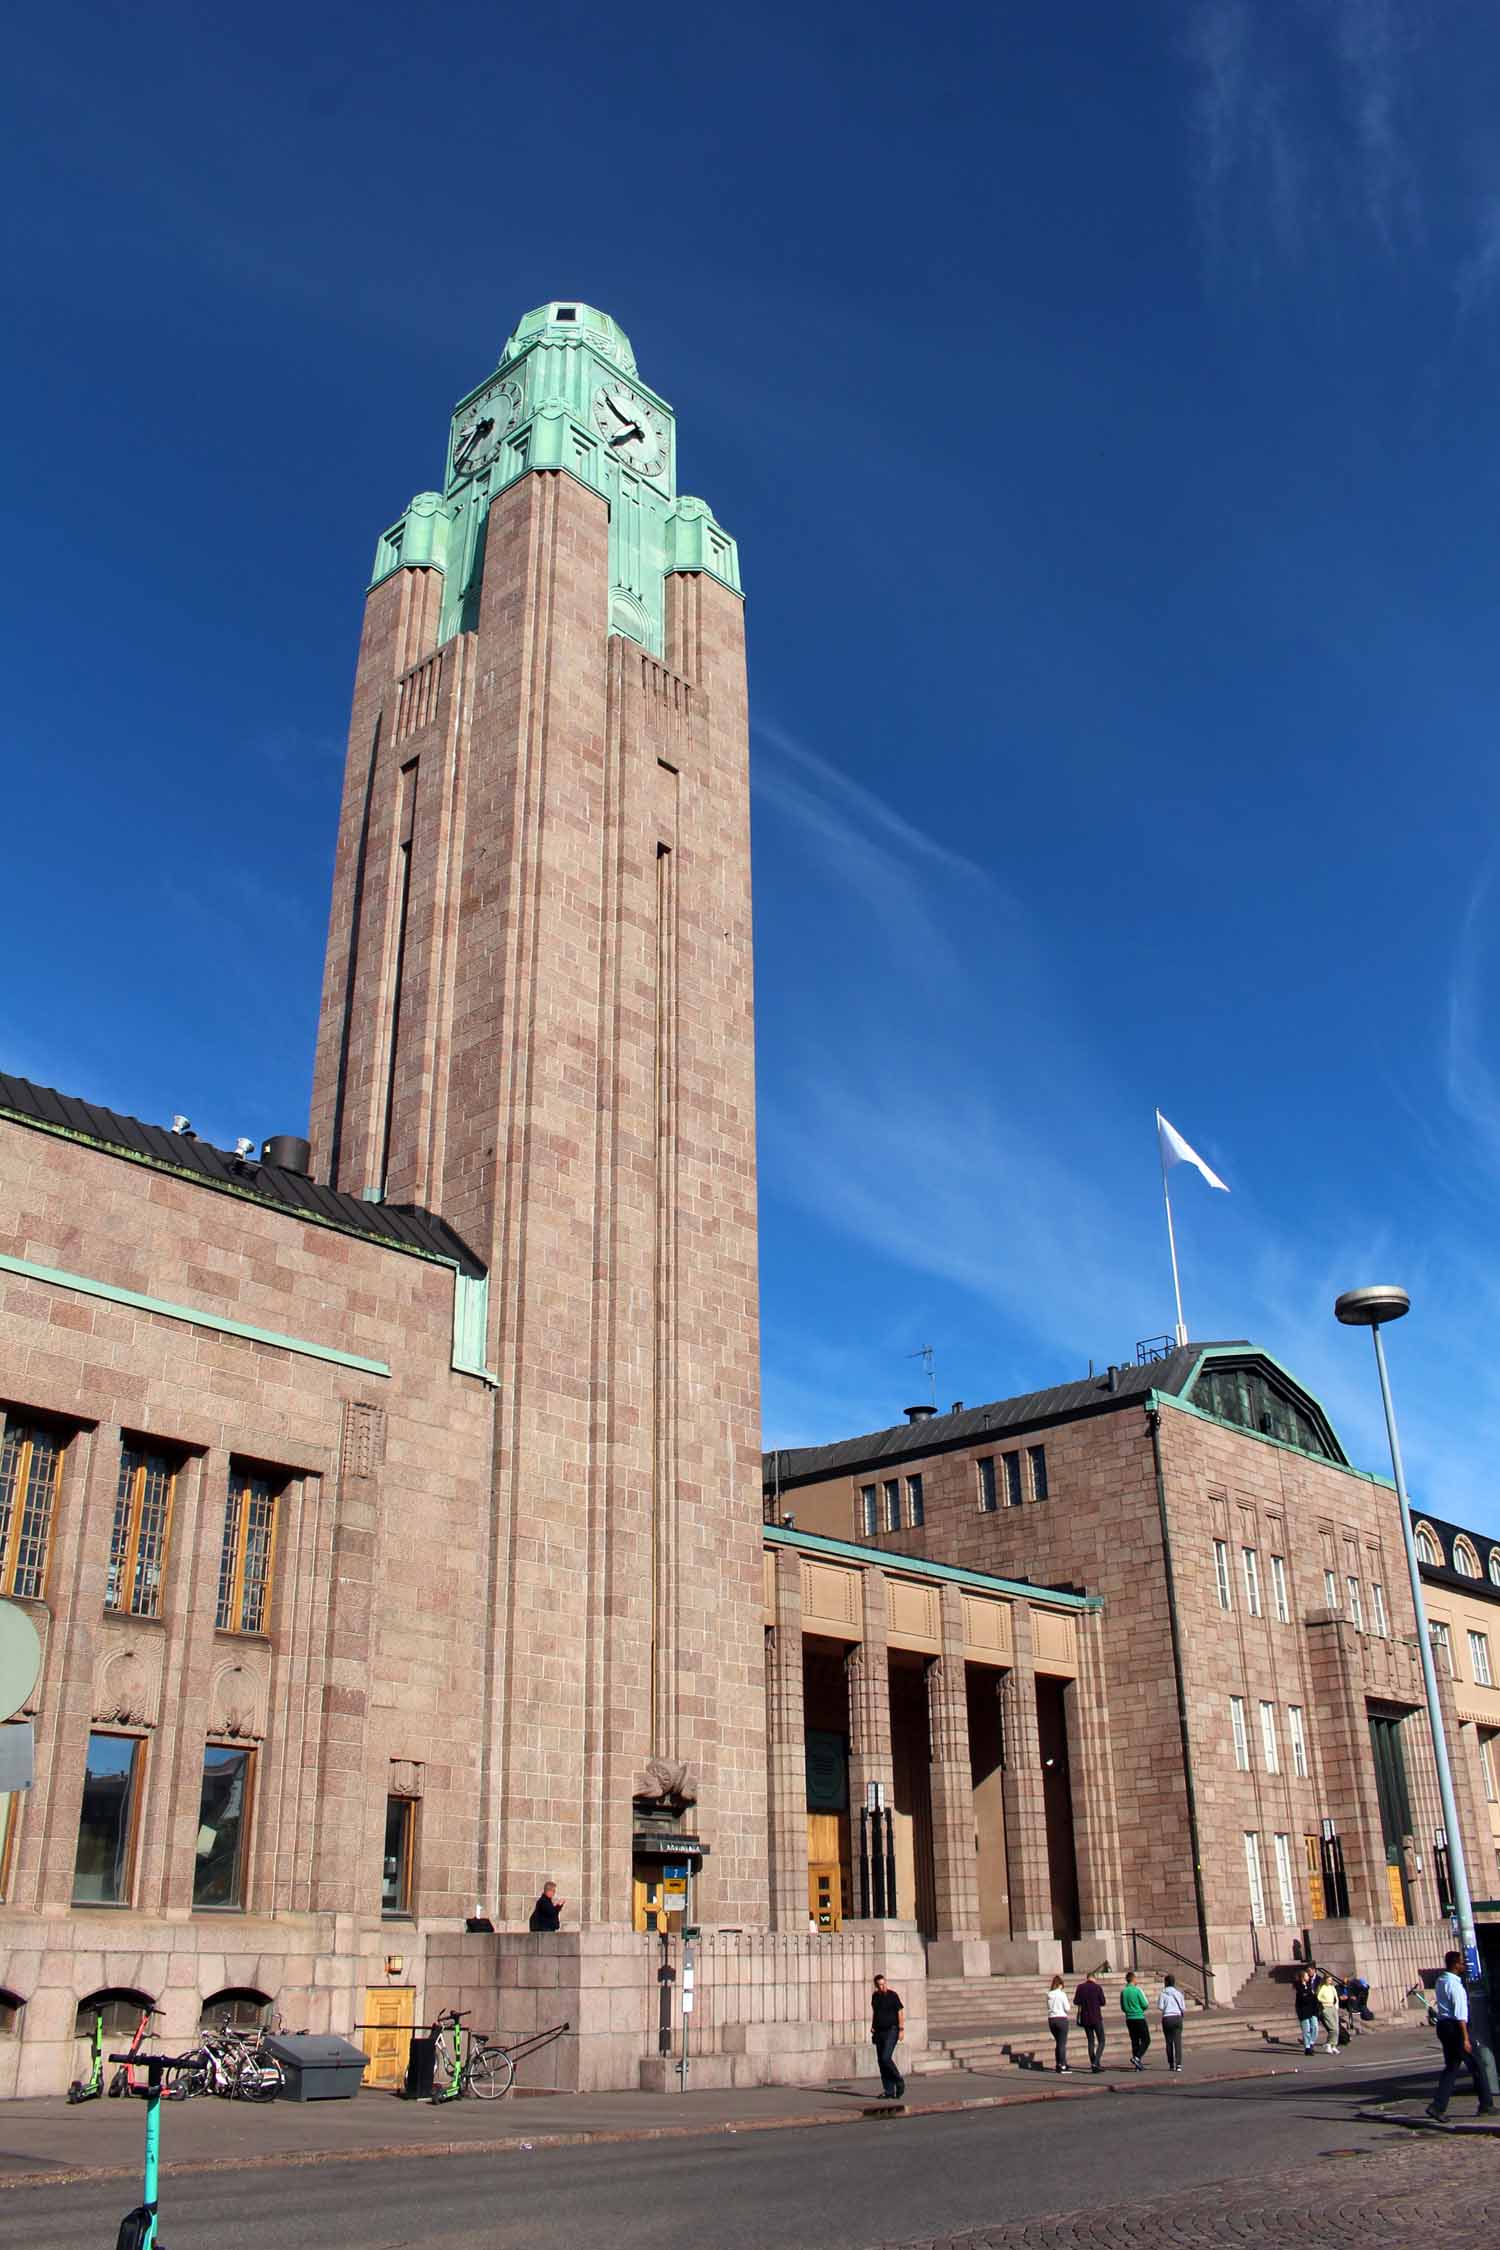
{"points": [[1372, 1308]]}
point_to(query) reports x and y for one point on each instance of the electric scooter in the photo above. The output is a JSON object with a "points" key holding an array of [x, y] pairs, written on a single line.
{"points": [[89, 2089], [138, 2227]]}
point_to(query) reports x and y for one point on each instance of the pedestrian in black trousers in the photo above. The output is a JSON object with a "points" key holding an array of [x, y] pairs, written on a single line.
{"points": [[1059, 2024], [887, 2028], [1173, 2008]]}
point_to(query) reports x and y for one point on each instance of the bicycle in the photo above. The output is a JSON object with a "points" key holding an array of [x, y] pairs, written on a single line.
{"points": [[228, 2063], [468, 2061]]}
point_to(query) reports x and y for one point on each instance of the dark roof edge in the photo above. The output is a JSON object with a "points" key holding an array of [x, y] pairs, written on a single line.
{"points": [[459, 1257], [997, 1434]]}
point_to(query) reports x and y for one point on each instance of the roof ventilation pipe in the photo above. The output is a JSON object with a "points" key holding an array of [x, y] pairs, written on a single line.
{"points": [[1112, 1379], [287, 1152], [181, 1124], [957, 1407], [919, 1413]]}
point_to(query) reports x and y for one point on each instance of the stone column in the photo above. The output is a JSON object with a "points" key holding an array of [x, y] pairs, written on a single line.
{"points": [[786, 1748], [1347, 1764], [1096, 1828], [1032, 1944], [957, 1948], [869, 1677]]}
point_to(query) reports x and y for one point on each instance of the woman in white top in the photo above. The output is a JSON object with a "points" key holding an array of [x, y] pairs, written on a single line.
{"points": [[1058, 2020], [1173, 2008]]}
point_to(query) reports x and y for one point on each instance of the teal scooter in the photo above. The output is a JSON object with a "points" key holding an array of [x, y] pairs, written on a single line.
{"points": [[138, 2227], [89, 2089]]}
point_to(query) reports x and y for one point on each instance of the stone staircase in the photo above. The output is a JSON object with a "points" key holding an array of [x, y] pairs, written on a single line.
{"points": [[999, 2023]]}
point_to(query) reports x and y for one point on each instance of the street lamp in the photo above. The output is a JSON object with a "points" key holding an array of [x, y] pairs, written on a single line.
{"points": [[1371, 1308]]}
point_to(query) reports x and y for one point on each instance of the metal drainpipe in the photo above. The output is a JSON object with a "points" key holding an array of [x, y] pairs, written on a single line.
{"points": [[1153, 1417]]}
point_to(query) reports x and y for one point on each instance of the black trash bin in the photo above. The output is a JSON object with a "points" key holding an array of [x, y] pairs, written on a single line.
{"points": [[318, 2066], [421, 2068]]}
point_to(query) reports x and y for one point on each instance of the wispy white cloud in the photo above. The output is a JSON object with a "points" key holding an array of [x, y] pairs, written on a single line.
{"points": [[1372, 46]]}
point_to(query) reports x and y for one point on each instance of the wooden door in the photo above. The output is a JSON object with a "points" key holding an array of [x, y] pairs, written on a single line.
{"points": [[1313, 1867], [389, 2020]]}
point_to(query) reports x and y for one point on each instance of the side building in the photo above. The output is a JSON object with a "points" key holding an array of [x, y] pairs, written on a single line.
{"points": [[1247, 1759], [1461, 1577]]}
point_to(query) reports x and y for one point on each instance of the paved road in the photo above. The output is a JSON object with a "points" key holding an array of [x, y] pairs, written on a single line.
{"points": [[1163, 2164]]}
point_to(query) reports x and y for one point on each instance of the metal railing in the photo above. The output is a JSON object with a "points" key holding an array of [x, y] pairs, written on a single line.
{"points": [[1202, 1991]]}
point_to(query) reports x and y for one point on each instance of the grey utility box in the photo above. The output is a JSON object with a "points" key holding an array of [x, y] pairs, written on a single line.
{"points": [[317, 2065]]}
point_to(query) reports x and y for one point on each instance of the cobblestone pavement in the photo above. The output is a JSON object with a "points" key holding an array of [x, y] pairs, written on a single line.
{"points": [[1430, 2191]]}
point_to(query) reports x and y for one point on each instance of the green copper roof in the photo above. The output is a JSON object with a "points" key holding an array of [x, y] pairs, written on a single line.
{"points": [[567, 317]]}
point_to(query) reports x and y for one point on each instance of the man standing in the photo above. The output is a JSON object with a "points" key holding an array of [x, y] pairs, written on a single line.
{"points": [[1089, 2001], [1451, 2005], [887, 2028], [547, 1912], [1135, 2008]]}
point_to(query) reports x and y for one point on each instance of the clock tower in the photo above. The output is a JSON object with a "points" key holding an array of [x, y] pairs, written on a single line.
{"points": [[537, 1022]]}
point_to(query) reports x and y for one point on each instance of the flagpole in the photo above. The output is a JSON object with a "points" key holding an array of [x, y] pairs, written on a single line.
{"points": [[1182, 1334]]}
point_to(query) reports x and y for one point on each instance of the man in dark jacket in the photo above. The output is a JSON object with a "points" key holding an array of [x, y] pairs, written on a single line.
{"points": [[1089, 2001], [547, 1912], [887, 2027]]}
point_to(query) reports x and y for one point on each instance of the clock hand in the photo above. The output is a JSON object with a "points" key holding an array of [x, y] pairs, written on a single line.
{"points": [[623, 437], [618, 412]]}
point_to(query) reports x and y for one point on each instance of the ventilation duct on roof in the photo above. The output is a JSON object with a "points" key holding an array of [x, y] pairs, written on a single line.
{"points": [[919, 1413], [287, 1152]]}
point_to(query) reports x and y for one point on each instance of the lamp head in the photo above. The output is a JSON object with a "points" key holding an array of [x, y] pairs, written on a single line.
{"points": [[1371, 1308]]}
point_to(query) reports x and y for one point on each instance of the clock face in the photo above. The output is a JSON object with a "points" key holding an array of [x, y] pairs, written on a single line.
{"points": [[480, 434], [632, 431]]}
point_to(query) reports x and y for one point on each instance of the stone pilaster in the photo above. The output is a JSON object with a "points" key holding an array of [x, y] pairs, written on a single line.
{"points": [[1348, 1767], [957, 1948], [869, 1676], [1096, 1828], [786, 1766], [1032, 1944]]}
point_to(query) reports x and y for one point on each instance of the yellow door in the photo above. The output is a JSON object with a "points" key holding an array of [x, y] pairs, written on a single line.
{"points": [[1397, 1892], [824, 1897], [1313, 1862], [390, 2018]]}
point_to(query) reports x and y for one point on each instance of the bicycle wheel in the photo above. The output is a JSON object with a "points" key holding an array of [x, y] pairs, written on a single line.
{"points": [[442, 2064], [493, 2074]]}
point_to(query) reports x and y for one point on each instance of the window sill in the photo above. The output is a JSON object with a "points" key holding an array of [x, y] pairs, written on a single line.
{"points": [[102, 1905], [230, 1633], [136, 1617], [397, 1914], [213, 1910]]}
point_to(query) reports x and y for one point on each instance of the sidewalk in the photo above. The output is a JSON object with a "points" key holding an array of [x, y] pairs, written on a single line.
{"points": [[42, 2142]]}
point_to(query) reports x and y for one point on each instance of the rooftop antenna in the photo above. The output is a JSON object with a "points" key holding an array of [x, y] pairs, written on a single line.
{"points": [[923, 1352]]}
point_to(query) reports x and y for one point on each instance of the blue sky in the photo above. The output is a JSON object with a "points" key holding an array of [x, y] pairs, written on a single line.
{"points": [[1107, 403]]}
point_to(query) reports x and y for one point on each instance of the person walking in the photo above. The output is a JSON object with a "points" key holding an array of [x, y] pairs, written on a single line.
{"points": [[1305, 2001], [1327, 1996], [1058, 2025], [1451, 2008], [1136, 2009], [1089, 2001], [887, 2029], [1172, 2005]]}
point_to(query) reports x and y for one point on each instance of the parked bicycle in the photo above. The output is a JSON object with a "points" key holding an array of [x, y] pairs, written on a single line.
{"points": [[233, 2065], [467, 2062]]}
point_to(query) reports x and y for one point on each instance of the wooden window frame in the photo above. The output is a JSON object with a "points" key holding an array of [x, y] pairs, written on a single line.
{"points": [[1041, 1483], [1281, 1600], [137, 1463], [229, 1605], [126, 1903], [250, 1752], [1223, 1582], [988, 1484], [1015, 1481], [19, 1502], [406, 1911]]}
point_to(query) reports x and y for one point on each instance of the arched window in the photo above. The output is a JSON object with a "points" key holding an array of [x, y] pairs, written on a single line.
{"points": [[247, 2009], [1464, 1558], [1495, 1566], [11, 2005], [1428, 1550], [120, 2007]]}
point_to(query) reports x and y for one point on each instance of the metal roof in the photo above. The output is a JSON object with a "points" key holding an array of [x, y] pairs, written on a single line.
{"points": [[397, 1226], [1484, 1544], [1063, 1402]]}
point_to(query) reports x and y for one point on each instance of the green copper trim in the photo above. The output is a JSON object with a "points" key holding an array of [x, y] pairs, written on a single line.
{"points": [[889, 1558], [1212, 1354], [471, 1326], [696, 542], [85, 1286], [1263, 1437]]}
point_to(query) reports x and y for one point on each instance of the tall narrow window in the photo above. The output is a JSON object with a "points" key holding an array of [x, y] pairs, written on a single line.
{"points": [[30, 1470], [107, 1822], [1330, 1590], [916, 1514], [1270, 1748], [249, 1546], [1278, 1590], [1284, 1884], [869, 1510], [1237, 1729], [1479, 1659], [892, 1496], [1037, 1456], [223, 1825], [400, 1848], [987, 1497], [1442, 1643], [1251, 1562], [1221, 1572], [1356, 1607], [138, 1541], [1255, 1878], [1012, 1479], [1377, 1601], [1297, 1736], [1487, 1767], [407, 822]]}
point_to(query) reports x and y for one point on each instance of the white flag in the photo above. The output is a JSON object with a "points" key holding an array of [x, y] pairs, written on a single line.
{"points": [[1175, 1150]]}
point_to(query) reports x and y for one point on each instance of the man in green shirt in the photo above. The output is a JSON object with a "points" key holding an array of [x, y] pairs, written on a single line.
{"points": [[1134, 2007]]}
